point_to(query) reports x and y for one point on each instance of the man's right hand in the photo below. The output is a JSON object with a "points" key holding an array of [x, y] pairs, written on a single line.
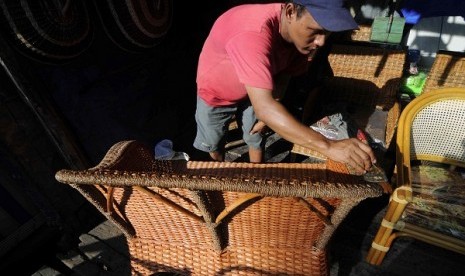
{"points": [[352, 152]]}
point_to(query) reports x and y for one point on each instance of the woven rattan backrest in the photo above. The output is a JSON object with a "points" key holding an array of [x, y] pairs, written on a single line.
{"points": [[361, 68], [220, 203], [432, 127], [448, 70]]}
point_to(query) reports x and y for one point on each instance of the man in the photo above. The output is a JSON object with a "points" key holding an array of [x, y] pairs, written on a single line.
{"points": [[250, 52]]}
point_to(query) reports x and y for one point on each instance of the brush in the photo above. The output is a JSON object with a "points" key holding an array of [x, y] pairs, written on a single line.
{"points": [[375, 173]]}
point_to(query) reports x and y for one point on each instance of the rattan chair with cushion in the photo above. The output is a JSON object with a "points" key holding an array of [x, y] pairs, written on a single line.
{"points": [[429, 201], [365, 84], [448, 70], [221, 218]]}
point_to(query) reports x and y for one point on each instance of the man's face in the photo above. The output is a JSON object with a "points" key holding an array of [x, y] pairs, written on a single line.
{"points": [[306, 34]]}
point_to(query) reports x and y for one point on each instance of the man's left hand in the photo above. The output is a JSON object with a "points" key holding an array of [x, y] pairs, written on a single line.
{"points": [[259, 127]]}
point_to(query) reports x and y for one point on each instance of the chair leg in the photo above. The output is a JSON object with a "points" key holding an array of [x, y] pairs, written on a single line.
{"points": [[385, 236]]}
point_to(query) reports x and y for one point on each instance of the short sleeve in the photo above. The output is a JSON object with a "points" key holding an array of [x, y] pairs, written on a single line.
{"points": [[250, 55]]}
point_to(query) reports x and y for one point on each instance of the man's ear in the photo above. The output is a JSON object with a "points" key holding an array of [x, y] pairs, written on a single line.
{"points": [[289, 10]]}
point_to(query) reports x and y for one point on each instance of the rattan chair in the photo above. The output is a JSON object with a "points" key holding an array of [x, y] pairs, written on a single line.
{"points": [[448, 70], [221, 218], [429, 201], [366, 80], [361, 34]]}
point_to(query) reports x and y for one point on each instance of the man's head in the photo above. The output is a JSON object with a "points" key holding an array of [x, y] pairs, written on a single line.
{"points": [[332, 15]]}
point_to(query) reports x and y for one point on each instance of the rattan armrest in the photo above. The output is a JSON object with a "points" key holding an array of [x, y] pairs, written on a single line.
{"points": [[270, 179]]}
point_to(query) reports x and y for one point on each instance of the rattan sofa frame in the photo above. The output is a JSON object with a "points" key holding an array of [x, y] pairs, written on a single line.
{"points": [[221, 218]]}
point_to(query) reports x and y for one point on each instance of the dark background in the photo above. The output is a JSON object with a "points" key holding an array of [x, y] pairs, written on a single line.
{"points": [[67, 115]]}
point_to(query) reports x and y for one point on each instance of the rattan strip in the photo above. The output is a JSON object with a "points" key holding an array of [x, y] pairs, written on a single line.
{"points": [[148, 257], [96, 196], [448, 70], [315, 210], [272, 179], [307, 152]]}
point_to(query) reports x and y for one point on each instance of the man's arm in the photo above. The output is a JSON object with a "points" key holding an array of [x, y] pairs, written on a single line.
{"points": [[350, 151], [280, 85]]}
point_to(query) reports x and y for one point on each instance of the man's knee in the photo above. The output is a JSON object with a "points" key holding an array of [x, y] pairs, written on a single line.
{"points": [[217, 156]]}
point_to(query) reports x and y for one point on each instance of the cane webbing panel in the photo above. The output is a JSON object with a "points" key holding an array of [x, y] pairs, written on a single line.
{"points": [[170, 209], [439, 130]]}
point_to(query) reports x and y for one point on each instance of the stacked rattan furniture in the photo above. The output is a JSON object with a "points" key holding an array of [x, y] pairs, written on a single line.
{"points": [[366, 80], [448, 70], [429, 201], [221, 218], [361, 34]]}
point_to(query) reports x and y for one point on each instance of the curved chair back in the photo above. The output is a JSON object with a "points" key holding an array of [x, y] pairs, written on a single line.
{"points": [[217, 218], [432, 128]]}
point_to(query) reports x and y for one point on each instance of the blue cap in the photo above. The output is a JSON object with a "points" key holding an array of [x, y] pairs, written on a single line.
{"points": [[332, 15]]}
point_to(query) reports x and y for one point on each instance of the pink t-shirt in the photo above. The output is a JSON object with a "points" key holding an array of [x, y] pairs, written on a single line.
{"points": [[244, 47]]}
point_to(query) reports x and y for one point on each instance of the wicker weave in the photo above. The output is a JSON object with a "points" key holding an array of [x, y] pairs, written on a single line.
{"points": [[361, 34], [221, 218], [428, 204], [367, 78], [448, 70]]}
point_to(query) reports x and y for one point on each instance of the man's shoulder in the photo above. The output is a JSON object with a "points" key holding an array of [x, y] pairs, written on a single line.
{"points": [[250, 17], [255, 7]]}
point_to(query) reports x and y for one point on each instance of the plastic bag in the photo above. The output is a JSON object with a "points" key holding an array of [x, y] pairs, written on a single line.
{"points": [[332, 127]]}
